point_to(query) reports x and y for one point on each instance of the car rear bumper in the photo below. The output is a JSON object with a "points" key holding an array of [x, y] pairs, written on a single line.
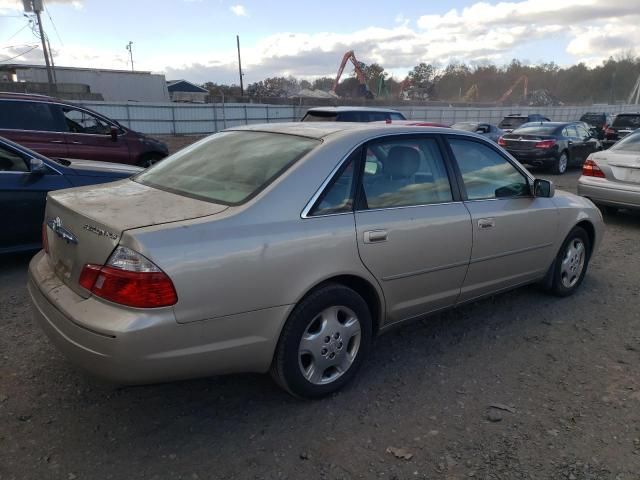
{"points": [[604, 192], [534, 157], [145, 346]]}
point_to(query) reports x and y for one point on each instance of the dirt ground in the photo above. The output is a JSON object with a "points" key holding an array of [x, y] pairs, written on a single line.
{"points": [[562, 375]]}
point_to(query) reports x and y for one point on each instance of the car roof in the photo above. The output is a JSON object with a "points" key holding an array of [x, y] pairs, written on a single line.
{"points": [[627, 113], [321, 130], [351, 109], [27, 96]]}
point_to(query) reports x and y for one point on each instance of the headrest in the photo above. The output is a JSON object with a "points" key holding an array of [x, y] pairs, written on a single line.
{"points": [[402, 162]]}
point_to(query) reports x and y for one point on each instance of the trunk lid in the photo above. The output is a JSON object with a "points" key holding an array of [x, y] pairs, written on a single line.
{"points": [[518, 142], [622, 167], [85, 224]]}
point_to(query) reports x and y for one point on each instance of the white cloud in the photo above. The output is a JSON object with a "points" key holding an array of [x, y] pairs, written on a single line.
{"points": [[6, 5], [238, 10]]}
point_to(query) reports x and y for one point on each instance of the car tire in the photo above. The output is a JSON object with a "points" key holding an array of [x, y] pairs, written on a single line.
{"points": [[560, 164], [570, 266], [150, 159], [323, 343]]}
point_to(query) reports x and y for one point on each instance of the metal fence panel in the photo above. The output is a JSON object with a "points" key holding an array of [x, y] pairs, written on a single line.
{"points": [[187, 119]]}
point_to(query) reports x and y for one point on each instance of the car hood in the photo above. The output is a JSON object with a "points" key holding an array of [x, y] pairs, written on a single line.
{"points": [[100, 169]]}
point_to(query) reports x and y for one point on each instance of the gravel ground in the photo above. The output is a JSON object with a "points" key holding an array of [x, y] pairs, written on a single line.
{"points": [[563, 376]]}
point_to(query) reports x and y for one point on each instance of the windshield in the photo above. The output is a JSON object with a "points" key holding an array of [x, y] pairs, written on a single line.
{"points": [[627, 121], [630, 143], [228, 167], [536, 130], [593, 119], [512, 122]]}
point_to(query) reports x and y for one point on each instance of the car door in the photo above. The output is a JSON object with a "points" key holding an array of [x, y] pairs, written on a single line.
{"points": [[589, 142], [413, 231], [36, 125], [22, 199], [575, 143], [89, 137], [513, 231]]}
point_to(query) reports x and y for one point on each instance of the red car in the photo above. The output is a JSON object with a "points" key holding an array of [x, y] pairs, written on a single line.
{"points": [[58, 129]]}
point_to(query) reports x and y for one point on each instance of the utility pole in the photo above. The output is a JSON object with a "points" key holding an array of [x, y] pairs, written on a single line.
{"points": [[130, 48], [240, 66], [36, 6]]}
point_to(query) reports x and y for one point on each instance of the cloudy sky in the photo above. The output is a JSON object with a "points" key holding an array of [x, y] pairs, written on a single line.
{"points": [[195, 39]]}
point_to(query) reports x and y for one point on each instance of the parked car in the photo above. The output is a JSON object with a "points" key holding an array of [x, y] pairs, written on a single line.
{"points": [[515, 120], [25, 179], [485, 129], [611, 178], [414, 123], [554, 145], [598, 121], [288, 247], [351, 114], [623, 124], [59, 129]]}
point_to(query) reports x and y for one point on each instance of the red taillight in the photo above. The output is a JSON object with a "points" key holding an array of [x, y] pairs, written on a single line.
{"points": [[546, 144], [502, 142], [129, 279], [609, 131], [45, 240], [591, 169]]}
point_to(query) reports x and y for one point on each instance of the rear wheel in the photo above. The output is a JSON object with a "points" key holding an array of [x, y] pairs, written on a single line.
{"points": [[323, 343], [571, 263], [560, 164]]}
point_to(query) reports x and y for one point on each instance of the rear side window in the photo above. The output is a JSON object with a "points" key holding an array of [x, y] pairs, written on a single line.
{"points": [[320, 117], [229, 167], [338, 197], [627, 121], [396, 116], [485, 173], [512, 122], [20, 115]]}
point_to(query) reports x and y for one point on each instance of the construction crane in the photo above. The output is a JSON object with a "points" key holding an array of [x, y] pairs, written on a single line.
{"points": [[359, 70], [506, 94], [635, 92], [472, 94]]}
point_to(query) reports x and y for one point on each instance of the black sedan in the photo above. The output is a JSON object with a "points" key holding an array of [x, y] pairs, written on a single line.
{"points": [[551, 144], [25, 179], [485, 129]]}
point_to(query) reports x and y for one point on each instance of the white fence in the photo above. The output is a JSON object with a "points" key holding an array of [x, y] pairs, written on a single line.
{"points": [[181, 119]]}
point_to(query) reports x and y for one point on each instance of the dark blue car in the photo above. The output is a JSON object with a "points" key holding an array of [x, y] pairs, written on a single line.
{"points": [[25, 179]]}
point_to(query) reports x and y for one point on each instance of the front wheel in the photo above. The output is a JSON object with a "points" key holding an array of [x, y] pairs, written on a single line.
{"points": [[560, 164], [323, 343], [571, 263]]}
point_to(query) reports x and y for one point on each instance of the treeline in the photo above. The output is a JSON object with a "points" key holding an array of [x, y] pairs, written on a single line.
{"points": [[610, 82]]}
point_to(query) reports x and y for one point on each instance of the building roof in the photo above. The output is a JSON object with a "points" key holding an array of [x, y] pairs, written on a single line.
{"points": [[184, 86], [14, 66]]}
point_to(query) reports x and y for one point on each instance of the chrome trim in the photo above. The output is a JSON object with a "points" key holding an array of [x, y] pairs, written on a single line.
{"points": [[511, 252], [408, 206], [427, 130], [426, 270]]}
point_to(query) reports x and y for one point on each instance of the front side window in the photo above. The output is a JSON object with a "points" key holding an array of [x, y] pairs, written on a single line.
{"points": [[405, 172], [228, 167], [21, 115], [11, 162], [79, 121], [485, 173]]}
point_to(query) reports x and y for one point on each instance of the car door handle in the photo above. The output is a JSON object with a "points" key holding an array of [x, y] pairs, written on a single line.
{"points": [[484, 223], [56, 141], [374, 236]]}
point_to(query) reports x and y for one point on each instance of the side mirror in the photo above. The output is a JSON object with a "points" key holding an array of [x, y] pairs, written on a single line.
{"points": [[37, 167], [113, 131], [543, 188]]}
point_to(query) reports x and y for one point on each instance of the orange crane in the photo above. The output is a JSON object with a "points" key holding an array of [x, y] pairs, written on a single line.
{"points": [[359, 70], [506, 94]]}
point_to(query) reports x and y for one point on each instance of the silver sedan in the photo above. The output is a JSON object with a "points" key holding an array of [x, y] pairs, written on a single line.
{"points": [[611, 178], [290, 247]]}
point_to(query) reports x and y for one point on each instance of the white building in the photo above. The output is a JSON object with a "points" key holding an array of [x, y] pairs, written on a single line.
{"points": [[113, 85]]}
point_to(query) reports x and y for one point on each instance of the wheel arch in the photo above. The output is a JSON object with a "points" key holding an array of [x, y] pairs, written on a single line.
{"points": [[588, 227]]}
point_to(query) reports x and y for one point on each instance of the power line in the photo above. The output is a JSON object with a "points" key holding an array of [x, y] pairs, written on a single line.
{"points": [[54, 25], [21, 29], [23, 53]]}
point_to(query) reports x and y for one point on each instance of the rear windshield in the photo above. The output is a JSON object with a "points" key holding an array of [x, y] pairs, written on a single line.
{"points": [[593, 119], [536, 130], [469, 127], [228, 167], [512, 122], [320, 117], [627, 121], [631, 143]]}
